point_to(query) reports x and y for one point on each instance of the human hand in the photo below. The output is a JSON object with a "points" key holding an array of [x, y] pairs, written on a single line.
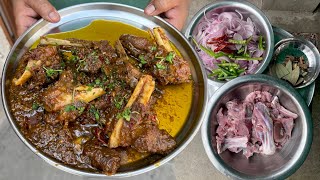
{"points": [[27, 12], [175, 11]]}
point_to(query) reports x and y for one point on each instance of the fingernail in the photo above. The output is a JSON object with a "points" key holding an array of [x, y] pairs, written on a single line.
{"points": [[54, 16], [150, 9]]}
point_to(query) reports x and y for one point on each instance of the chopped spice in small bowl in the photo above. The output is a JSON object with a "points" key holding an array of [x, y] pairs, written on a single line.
{"points": [[295, 61]]}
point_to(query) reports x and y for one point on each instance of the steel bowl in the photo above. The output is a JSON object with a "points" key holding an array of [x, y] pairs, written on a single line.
{"points": [[297, 47], [277, 166], [248, 10], [81, 15]]}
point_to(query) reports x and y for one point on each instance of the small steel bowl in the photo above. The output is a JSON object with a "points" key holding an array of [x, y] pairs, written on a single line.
{"points": [[277, 166], [248, 10], [297, 47]]}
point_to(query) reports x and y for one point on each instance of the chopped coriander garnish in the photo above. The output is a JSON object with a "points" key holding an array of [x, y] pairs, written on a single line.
{"points": [[153, 48], [97, 81], [95, 112], [51, 72], [111, 85], [89, 88], [74, 58], [142, 59], [170, 57], [69, 108], [81, 109], [126, 114], [118, 102], [93, 53], [63, 64], [35, 106], [96, 115]]}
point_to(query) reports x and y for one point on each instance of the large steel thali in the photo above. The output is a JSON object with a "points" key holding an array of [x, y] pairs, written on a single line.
{"points": [[82, 15]]}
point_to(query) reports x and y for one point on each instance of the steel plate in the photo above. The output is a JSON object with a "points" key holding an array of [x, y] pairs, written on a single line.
{"points": [[81, 15]]}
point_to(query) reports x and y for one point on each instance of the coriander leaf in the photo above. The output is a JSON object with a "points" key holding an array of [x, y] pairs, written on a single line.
{"points": [[170, 57], [51, 72], [153, 48], [118, 102], [111, 85], [97, 116], [95, 112], [126, 114], [35, 106], [97, 81], [142, 59], [69, 108], [81, 109], [63, 64], [74, 58]]}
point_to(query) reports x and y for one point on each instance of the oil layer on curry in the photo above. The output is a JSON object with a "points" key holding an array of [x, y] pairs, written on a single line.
{"points": [[93, 104]]}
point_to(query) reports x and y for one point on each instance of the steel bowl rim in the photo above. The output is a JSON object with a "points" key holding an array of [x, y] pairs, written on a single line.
{"points": [[266, 23], [75, 171], [258, 78], [314, 50]]}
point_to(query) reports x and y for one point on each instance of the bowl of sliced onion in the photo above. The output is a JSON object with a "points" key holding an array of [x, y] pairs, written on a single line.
{"points": [[232, 38]]}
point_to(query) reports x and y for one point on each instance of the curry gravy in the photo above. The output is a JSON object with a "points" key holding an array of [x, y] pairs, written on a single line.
{"points": [[172, 109]]}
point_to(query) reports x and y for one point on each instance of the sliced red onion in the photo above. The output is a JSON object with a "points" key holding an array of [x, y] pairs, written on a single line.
{"points": [[234, 25], [223, 58], [241, 17], [258, 53], [243, 64], [237, 36]]}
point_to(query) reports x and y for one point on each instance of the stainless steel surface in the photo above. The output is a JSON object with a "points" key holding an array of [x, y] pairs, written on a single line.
{"points": [[285, 161], [79, 16], [308, 49], [248, 10]]}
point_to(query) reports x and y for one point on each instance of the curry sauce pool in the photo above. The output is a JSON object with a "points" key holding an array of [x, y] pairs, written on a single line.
{"points": [[72, 73], [173, 108]]}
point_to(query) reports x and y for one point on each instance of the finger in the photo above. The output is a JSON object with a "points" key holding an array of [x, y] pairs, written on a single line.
{"points": [[175, 23], [45, 10], [22, 26], [177, 17], [156, 7]]}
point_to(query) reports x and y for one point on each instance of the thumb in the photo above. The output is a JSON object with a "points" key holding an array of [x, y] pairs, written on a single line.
{"points": [[45, 10], [156, 7]]}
